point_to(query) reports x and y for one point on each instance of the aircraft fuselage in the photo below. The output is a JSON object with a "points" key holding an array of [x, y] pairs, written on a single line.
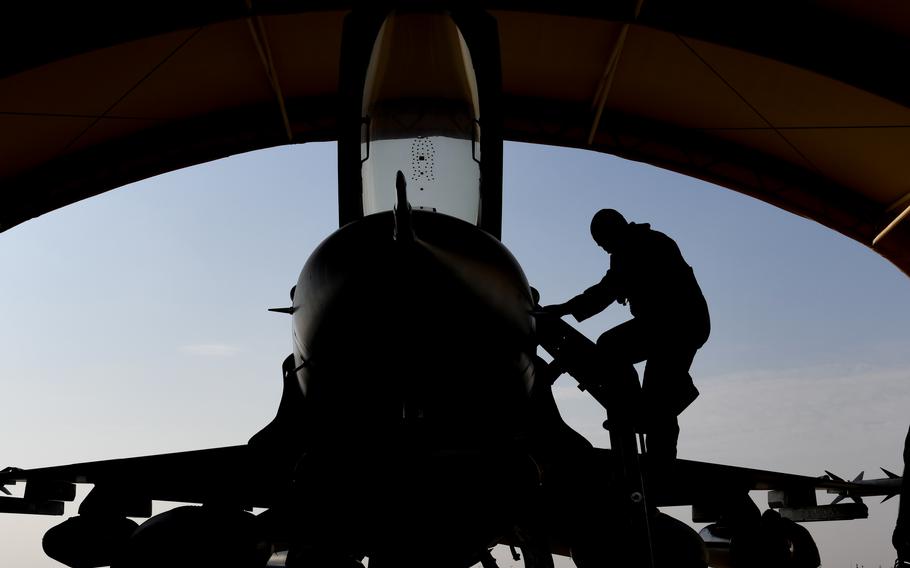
{"points": [[413, 368], [430, 339]]}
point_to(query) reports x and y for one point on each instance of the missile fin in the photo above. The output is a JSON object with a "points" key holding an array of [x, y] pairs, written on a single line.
{"points": [[834, 477], [889, 474]]}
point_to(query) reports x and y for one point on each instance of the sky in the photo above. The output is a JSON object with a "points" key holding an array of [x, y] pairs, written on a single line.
{"points": [[135, 322]]}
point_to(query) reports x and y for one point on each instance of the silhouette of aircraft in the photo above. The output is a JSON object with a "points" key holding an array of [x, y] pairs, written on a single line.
{"points": [[414, 385]]}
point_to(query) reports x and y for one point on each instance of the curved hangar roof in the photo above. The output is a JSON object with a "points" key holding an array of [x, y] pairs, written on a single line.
{"points": [[804, 105]]}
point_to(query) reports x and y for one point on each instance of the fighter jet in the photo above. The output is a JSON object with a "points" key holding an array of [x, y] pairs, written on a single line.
{"points": [[416, 423]]}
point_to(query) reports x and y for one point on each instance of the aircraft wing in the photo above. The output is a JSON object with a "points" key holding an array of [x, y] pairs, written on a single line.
{"points": [[707, 485], [239, 475], [233, 474], [703, 478], [243, 476], [793, 495]]}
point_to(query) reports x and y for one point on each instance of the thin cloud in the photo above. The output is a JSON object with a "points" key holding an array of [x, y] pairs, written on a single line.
{"points": [[210, 349], [801, 420], [805, 418]]}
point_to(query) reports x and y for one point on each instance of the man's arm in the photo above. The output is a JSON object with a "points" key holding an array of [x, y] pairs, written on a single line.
{"points": [[590, 302]]}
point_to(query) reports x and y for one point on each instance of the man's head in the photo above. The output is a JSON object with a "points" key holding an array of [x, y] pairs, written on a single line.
{"points": [[608, 228]]}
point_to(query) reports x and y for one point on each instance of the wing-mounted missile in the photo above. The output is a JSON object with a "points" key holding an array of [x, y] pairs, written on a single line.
{"points": [[892, 476], [841, 496], [4, 483], [886, 487], [41, 497], [798, 502]]}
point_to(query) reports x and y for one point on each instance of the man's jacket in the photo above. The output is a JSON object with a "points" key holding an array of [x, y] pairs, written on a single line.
{"points": [[647, 271]]}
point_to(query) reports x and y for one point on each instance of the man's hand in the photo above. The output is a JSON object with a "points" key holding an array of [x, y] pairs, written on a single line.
{"points": [[557, 310]]}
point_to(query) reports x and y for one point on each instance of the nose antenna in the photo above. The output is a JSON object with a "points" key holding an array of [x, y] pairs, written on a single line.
{"points": [[404, 230]]}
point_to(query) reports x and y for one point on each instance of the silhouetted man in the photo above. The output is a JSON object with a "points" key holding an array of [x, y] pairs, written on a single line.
{"points": [[670, 323], [901, 536]]}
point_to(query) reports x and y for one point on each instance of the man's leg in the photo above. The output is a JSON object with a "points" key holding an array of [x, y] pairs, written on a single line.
{"points": [[662, 435], [665, 391], [620, 348]]}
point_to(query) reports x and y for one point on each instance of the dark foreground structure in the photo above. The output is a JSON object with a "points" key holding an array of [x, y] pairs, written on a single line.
{"points": [[901, 537], [412, 424]]}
